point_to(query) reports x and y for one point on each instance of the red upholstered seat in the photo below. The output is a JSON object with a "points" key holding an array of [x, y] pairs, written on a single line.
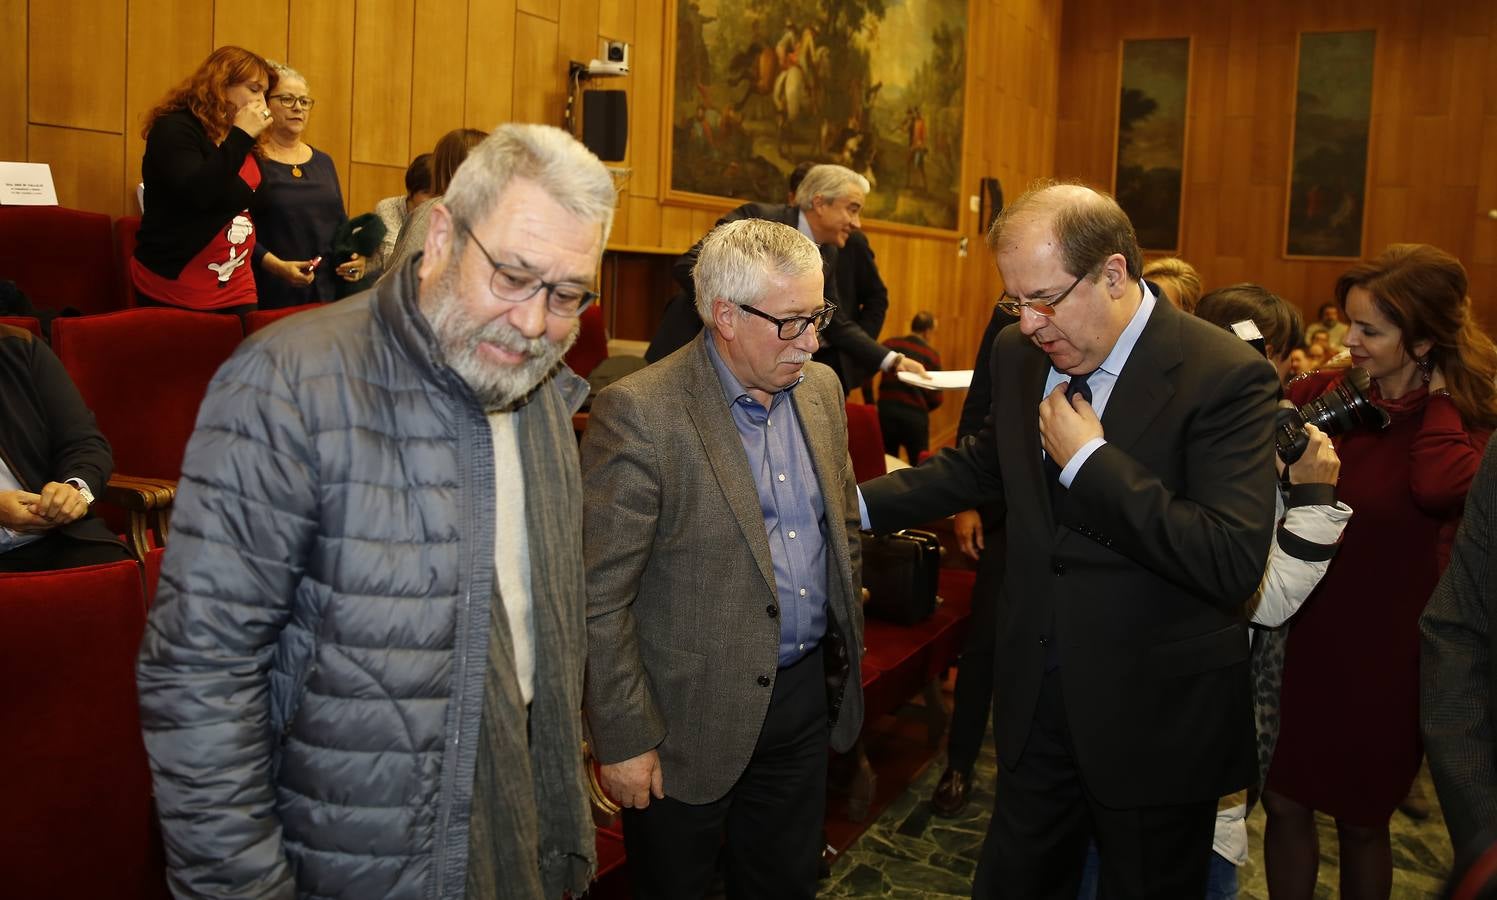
{"points": [[77, 819], [592, 342], [262, 317], [152, 567], [865, 441], [144, 372], [27, 322], [60, 257], [126, 229]]}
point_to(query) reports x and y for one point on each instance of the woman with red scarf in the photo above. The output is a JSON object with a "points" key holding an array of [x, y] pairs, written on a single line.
{"points": [[1349, 742]]}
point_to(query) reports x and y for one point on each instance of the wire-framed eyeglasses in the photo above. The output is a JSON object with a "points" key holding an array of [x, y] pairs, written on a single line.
{"points": [[514, 284], [291, 101], [1043, 306], [795, 326]]}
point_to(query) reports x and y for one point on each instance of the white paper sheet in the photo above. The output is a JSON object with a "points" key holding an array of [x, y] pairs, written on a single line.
{"points": [[954, 380]]}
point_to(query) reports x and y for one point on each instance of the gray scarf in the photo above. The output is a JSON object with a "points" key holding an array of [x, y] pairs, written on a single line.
{"points": [[532, 834]]}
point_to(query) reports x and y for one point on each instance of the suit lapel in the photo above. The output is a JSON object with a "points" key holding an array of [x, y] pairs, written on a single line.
{"points": [[1034, 367], [1144, 387], [714, 426]]}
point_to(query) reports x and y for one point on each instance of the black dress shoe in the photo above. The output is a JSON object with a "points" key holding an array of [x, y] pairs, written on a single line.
{"points": [[950, 797]]}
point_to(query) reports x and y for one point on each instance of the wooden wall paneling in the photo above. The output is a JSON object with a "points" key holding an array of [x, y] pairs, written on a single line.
{"points": [[644, 222], [489, 93], [262, 26], [1391, 140], [86, 166], [76, 70], [677, 229], [545, 9], [539, 80], [1467, 68], [1485, 250], [368, 184], [646, 105], [1273, 113], [438, 75], [1387, 217], [1433, 69], [321, 48], [578, 23], [382, 81], [167, 40], [13, 84], [616, 22]]}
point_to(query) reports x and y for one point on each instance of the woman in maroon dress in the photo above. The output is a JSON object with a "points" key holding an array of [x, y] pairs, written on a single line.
{"points": [[1349, 743]]}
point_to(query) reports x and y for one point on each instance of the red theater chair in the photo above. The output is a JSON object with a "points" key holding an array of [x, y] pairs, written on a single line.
{"points": [[27, 322], [592, 342], [865, 441], [126, 229], [77, 819], [144, 372], [59, 257], [258, 319]]}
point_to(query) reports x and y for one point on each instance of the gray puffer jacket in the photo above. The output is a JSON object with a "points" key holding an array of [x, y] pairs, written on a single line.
{"points": [[312, 675]]}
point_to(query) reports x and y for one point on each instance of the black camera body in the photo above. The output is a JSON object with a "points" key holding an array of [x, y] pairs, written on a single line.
{"points": [[1340, 409]]}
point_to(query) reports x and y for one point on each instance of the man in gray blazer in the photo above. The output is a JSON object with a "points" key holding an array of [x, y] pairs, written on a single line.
{"points": [[720, 527], [1458, 672]]}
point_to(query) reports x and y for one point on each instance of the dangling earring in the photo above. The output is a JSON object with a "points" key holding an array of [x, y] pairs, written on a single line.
{"points": [[1423, 365]]}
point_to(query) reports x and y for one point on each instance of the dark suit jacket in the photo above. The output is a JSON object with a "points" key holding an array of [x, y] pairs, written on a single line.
{"points": [[679, 573], [1141, 573], [1458, 663], [47, 433], [859, 285], [845, 346]]}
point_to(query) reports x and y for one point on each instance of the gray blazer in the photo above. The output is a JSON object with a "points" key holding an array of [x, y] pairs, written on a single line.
{"points": [[1458, 670], [679, 573]]}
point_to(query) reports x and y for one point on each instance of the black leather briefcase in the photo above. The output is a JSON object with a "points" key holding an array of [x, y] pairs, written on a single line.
{"points": [[900, 572]]}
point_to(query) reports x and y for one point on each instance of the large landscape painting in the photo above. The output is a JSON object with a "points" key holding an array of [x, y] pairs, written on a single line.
{"points": [[1332, 121], [1151, 138], [875, 85]]}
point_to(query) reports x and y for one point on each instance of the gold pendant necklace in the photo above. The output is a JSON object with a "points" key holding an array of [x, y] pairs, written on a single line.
{"points": [[295, 171]]}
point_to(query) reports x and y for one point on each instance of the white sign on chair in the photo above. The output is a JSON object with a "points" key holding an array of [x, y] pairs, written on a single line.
{"points": [[26, 184]]}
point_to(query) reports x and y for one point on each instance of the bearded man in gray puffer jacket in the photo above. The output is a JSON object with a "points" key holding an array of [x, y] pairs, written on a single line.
{"points": [[362, 674]]}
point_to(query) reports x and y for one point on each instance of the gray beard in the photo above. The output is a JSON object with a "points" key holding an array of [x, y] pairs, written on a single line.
{"points": [[459, 336]]}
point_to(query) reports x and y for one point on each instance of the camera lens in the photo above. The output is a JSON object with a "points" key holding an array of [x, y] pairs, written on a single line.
{"points": [[1344, 407]]}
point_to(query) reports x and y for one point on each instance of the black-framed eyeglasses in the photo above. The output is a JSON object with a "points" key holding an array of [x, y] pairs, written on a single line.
{"points": [[1043, 307], [795, 326], [291, 101], [513, 284]]}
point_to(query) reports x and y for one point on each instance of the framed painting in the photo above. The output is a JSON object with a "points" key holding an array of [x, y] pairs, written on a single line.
{"points": [[1328, 151], [878, 86], [1149, 167]]}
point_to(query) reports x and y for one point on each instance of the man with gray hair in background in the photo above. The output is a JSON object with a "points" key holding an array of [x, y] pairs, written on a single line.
{"points": [[724, 627], [362, 673], [828, 208]]}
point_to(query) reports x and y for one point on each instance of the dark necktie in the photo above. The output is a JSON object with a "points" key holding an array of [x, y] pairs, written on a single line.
{"points": [[1076, 386]]}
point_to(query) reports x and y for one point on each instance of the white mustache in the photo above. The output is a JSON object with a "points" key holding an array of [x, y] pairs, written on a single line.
{"points": [[798, 357], [507, 338]]}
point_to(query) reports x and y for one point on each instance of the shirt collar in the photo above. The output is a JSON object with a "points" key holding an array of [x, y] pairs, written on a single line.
{"points": [[733, 390], [804, 227], [1113, 364]]}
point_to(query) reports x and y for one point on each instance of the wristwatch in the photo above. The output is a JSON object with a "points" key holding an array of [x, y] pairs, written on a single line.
{"points": [[82, 486]]}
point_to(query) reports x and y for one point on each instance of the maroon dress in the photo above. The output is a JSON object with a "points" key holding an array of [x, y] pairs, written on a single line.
{"points": [[1349, 743]]}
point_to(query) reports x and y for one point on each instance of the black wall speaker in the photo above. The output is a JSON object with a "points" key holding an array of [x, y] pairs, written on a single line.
{"points": [[605, 123]]}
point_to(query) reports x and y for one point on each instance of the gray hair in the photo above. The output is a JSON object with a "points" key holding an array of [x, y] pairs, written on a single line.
{"points": [[831, 183], [737, 260], [557, 162], [283, 71]]}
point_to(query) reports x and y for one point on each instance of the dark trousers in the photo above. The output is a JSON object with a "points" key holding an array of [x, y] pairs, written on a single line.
{"points": [[1044, 818], [59, 551], [768, 826], [904, 426], [972, 699]]}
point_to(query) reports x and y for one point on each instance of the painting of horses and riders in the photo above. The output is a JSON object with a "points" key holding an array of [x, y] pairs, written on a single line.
{"points": [[874, 85]]}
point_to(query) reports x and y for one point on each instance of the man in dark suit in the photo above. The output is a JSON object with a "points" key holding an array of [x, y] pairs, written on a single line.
{"points": [[1458, 672], [859, 286], [829, 203], [1134, 539], [724, 628]]}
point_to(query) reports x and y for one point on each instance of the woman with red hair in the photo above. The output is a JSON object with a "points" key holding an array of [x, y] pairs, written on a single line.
{"points": [[1349, 742], [196, 232]]}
